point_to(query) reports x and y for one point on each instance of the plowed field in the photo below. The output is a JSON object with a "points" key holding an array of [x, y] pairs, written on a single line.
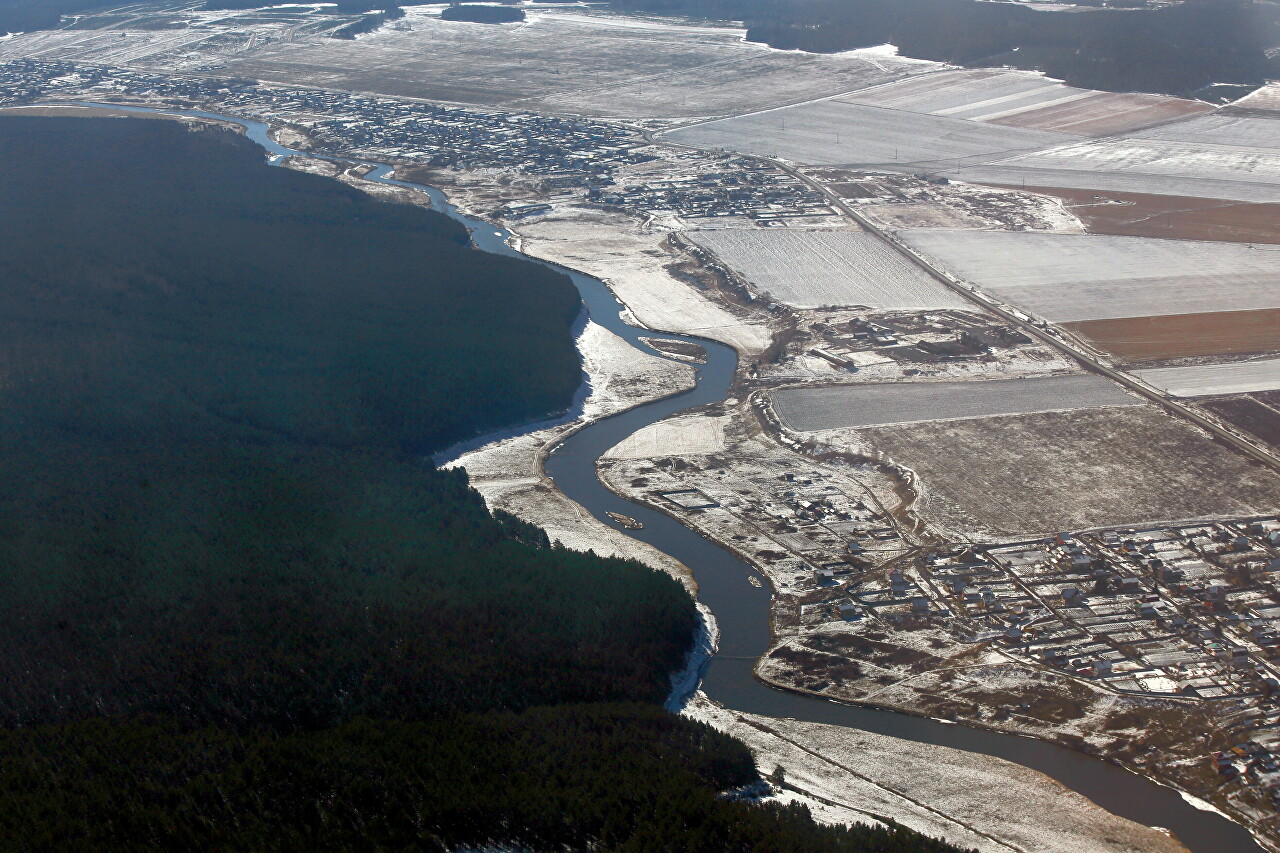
{"points": [[1179, 335], [1171, 217]]}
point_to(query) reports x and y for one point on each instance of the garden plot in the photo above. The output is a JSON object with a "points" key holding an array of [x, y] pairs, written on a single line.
{"points": [[1156, 166], [1026, 99], [1066, 277], [846, 406], [836, 133], [1199, 380], [1038, 473], [593, 64], [806, 269]]}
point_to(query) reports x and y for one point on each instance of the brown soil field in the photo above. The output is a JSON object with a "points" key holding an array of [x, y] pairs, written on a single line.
{"points": [[1180, 335], [1105, 114], [1022, 475], [1250, 413], [852, 189], [1169, 216]]}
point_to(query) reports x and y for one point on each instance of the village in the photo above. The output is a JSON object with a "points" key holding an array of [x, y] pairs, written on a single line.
{"points": [[1188, 613], [558, 156]]}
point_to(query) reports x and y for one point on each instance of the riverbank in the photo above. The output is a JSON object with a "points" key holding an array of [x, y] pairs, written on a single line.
{"points": [[742, 643], [509, 472], [1089, 827], [969, 799]]}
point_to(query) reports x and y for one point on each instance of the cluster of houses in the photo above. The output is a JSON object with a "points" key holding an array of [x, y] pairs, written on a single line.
{"points": [[562, 153], [565, 152], [745, 189]]}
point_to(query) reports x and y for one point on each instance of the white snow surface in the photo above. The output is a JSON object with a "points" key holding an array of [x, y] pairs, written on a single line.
{"points": [[1237, 377], [1026, 99], [806, 269], [971, 800], [832, 132], [1068, 277], [861, 404], [1198, 169], [688, 435]]}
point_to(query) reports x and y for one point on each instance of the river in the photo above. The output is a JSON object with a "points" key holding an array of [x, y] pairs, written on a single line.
{"points": [[741, 609]]}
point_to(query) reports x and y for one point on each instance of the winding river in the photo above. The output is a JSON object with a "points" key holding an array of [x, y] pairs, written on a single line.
{"points": [[742, 610]]}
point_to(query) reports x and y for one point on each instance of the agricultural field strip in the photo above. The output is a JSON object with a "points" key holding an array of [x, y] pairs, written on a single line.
{"points": [[1202, 380], [1219, 132], [1074, 277], [806, 269], [1160, 166], [1102, 114], [831, 132], [575, 63], [863, 405], [1029, 474], [986, 95]]}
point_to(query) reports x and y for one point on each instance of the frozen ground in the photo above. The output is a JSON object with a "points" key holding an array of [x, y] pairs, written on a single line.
{"points": [[172, 40], [1026, 99], [1226, 131], [689, 435], [615, 249], [843, 406], [508, 472], [1130, 164], [1266, 98], [1237, 377], [1035, 474], [806, 269], [574, 61], [834, 133], [969, 799], [1067, 277]]}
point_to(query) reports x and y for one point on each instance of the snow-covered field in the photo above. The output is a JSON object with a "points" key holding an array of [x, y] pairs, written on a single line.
{"points": [[971, 800], [1066, 277], [806, 269], [842, 406], [172, 40], [1220, 130], [1033, 474], [1266, 98], [577, 62], [833, 133], [614, 249], [690, 435], [1237, 377], [1131, 164], [1025, 99]]}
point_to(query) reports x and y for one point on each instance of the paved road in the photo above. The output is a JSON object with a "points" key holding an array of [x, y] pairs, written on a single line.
{"points": [[1050, 336]]}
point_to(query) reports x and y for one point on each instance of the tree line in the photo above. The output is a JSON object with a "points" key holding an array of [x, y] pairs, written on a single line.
{"points": [[237, 609], [1176, 49]]}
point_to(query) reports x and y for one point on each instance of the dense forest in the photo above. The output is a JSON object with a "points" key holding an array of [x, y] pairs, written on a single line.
{"points": [[237, 611], [1176, 49]]}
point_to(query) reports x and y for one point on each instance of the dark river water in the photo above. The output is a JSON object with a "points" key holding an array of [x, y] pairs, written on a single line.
{"points": [[742, 610]]}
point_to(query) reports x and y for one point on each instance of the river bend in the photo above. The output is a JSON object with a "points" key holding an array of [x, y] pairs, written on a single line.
{"points": [[741, 609]]}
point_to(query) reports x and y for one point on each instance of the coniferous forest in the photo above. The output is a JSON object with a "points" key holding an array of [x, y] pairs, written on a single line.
{"points": [[237, 609], [1176, 49]]}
